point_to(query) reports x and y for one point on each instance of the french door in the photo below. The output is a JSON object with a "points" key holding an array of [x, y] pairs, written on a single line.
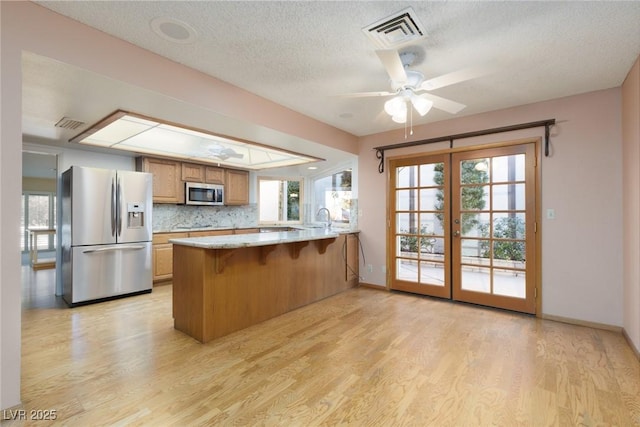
{"points": [[462, 226]]}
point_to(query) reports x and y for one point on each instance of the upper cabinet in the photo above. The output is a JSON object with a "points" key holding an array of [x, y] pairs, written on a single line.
{"points": [[213, 175], [169, 177], [167, 181], [236, 188], [192, 172]]}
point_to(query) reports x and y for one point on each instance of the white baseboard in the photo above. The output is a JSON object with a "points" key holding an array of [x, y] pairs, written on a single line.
{"points": [[578, 322]]}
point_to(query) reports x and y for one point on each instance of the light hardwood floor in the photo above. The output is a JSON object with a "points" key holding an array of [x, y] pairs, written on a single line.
{"points": [[363, 357]]}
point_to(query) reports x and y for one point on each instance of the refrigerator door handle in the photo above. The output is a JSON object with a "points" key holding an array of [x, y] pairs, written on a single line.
{"points": [[119, 208], [115, 248], [113, 207]]}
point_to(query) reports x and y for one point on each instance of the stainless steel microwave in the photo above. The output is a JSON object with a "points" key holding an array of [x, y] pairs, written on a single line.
{"points": [[197, 193]]}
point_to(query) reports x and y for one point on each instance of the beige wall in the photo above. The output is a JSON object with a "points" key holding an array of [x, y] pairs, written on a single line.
{"points": [[631, 205], [581, 180]]}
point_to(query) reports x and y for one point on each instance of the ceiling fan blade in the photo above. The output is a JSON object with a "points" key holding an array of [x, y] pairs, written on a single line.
{"points": [[365, 94], [444, 104], [454, 77], [392, 63]]}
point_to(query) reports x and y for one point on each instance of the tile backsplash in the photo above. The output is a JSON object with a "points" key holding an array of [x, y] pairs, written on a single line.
{"points": [[172, 217], [167, 217]]}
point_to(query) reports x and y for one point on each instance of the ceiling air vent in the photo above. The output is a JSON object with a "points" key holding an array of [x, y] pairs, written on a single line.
{"points": [[67, 123], [400, 28]]}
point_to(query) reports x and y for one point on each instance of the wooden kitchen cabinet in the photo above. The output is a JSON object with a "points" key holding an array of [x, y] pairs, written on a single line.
{"points": [[169, 177], [192, 172], [163, 255], [236, 191], [213, 175], [167, 182]]}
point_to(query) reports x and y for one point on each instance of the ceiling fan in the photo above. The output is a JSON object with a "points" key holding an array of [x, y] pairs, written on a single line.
{"points": [[406, 85], [223, 153]]}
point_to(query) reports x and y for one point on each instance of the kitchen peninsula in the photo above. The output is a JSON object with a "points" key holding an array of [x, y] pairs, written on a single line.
{"points": [[222, 284]]}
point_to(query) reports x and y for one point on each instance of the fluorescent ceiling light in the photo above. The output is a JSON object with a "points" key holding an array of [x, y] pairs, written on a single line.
{"points": [[128, 131]]}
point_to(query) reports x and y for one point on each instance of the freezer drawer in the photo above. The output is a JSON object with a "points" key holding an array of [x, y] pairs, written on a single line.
{"points": [[104, 271]]}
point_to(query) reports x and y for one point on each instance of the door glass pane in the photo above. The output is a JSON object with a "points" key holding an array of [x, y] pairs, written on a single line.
{"points": [[508, 197], [476, 279], [508, 168], [406, 223], [475, 224], [407, 246], [407, 270], [406, 176], [474, 171], [474, 198], [430, 199], [475, 251], [432, 273], [509, 253], [431, 224], [407, 200], [509, 283], [431, 174], [509, 225], [433, 248]]}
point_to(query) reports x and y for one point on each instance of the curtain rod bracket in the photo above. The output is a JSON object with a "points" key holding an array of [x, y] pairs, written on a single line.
{"points": [[546, 139], [380, 156]]}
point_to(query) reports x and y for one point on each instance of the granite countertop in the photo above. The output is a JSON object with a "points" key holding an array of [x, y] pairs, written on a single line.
{"points": [[339, 230], [234, 241]]}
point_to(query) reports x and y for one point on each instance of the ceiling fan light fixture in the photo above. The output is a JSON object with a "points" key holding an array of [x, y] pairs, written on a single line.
{"points": [[395, 106], [400, 117], [422, 105]]}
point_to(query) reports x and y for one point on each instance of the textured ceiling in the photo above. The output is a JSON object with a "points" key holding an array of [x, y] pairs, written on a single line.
{"points": [[304, 54]]}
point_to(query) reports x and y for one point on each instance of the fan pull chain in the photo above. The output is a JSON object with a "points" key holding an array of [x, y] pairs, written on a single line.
{"points": [[410, 118], [405, 123]]}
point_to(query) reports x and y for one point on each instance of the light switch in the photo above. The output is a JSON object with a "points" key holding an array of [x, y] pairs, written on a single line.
{"points": [[551, 214]]}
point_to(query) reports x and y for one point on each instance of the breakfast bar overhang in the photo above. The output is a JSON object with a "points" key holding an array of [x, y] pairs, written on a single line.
{"points": [[222, 284]]}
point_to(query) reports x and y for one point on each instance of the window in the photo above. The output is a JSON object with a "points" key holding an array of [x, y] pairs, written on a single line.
{"points": [[279, 200], [38, 211], [334, 193]]}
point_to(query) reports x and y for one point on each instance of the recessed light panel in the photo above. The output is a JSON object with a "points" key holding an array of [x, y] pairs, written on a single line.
{"points": [[131, 132]]}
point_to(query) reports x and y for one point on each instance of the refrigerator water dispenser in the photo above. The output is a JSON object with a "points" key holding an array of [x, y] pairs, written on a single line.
{"points": [[135, 215]]}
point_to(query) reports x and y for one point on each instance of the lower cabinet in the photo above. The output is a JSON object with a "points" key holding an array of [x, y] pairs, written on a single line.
{"points": [[163, 251], [163, 255]]}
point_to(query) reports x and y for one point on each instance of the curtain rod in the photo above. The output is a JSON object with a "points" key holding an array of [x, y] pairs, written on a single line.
{"points": [[546, 123]]}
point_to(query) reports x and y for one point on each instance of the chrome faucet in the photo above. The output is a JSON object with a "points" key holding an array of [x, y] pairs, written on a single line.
{"points": [[328, 225]]}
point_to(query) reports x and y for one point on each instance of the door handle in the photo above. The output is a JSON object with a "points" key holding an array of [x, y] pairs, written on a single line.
{"points": [[456, 233], [114, 248]]}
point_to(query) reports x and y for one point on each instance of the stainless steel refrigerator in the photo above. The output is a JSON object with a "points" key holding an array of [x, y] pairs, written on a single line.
{"points": [[106, 234]]}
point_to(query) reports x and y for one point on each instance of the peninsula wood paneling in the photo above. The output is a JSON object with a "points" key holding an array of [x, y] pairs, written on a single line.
{"points": [[217, 292]]}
